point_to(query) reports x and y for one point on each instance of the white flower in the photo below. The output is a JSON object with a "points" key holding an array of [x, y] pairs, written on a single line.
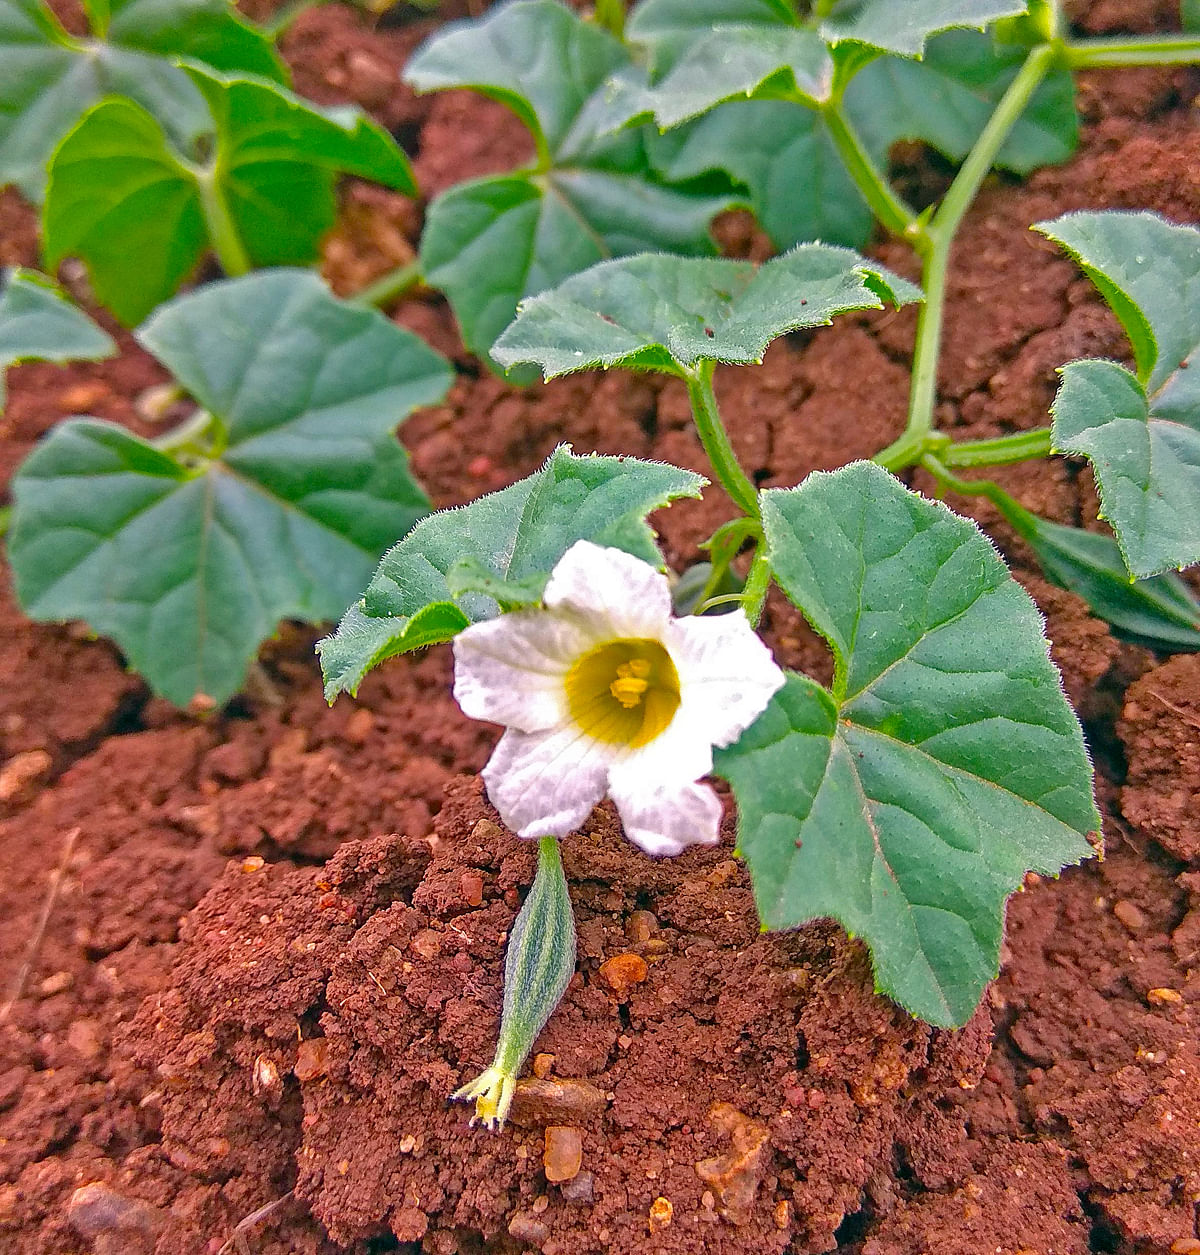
{"points": [[603, 692]]}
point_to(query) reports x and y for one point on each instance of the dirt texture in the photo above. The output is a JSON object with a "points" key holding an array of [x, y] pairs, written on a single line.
{"points": [[245, 959]]}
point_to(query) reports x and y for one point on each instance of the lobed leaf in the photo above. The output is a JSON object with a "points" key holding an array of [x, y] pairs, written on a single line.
{"points": [[908, 802], [38, 323], [656, 312], [1141, 433], [189, 557], [120, 189], [592, 195], [904, 28], [512, 535], [51, 79]]}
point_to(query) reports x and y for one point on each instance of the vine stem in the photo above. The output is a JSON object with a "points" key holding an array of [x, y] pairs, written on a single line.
{"points": [[222, 233], [913, 442], [1087, 54], [390, 286], [998, 451], [891, 211], [715, 439]]}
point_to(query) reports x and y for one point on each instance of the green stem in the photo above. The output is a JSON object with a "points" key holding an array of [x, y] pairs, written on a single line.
{"points": [[891, 211], [915, 440], [1087, 54], [715, 440], [610, 15], [998, 451], [758, 581], [976, 488], [5, 518], [390, 287], [222, 233], [281, 21]]}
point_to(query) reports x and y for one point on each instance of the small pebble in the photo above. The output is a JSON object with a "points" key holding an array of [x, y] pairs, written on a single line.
{"points": [[1161, 997], [427, 944], [641, 926], [527, 1228], [661, 1214], [622, 972], [470, 888], [1133, 917], [359, 727], [581, 1188], [563, 1156], [56, 983], [543, 1064], [22, 772], [311, 1059]]}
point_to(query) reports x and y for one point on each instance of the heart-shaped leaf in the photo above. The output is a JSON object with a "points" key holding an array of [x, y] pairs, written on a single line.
{"points": [[38, 323], [909, 801], [1142, 433], [141, 214], [50, 78], [189, 553], [592, 195], [655, 312], [512, 535]]}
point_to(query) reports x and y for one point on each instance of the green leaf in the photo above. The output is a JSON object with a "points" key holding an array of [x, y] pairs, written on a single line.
{"points": [[515, 534], [1190, 15], [51, 79], [38, 323], [593, 194], [141, 215], [1161, 612], [903, 28], [667, 313], [948, 97], [469, 575], [908, 802], [190, 553], [782, 153], [1147, 464], [1142, 434]]}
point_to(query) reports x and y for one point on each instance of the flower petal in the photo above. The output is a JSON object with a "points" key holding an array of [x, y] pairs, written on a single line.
{"points": [[726, 675], [622, 595], [544, 784], [665, 818], [511, 670]]}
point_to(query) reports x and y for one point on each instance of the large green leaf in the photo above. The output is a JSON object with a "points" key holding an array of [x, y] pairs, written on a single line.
{"points": [[795, 180], [38, 323], [518, 532], [50, 79], [1142, 433], [722, 50], [948, 97], [655, 312], [592, 195], [909, 801], [141, 215], [189, 554]]}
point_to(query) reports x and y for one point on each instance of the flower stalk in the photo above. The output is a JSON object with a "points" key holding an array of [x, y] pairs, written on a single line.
{"points": [[538, 966]]}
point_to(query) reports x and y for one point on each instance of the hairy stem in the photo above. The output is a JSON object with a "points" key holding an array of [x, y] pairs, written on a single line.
{"points": [[914, 442], [998, 451], [715, 440]]}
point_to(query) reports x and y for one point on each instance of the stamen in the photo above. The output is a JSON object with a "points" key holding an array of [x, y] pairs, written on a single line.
{"points": [[631, 684]]}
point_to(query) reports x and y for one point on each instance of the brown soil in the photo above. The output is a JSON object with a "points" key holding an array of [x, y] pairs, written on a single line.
{"points": [[274, 938]]}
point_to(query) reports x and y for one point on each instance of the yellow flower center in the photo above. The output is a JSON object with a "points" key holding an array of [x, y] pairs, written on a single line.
{"points": [[624, 692]]}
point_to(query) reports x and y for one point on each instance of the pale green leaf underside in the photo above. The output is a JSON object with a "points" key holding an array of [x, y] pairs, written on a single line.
{"points": [[908, 803], [38, 323], [49, 80], [1142, 434], [518, 532], [657, 312], [189, 566]]}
